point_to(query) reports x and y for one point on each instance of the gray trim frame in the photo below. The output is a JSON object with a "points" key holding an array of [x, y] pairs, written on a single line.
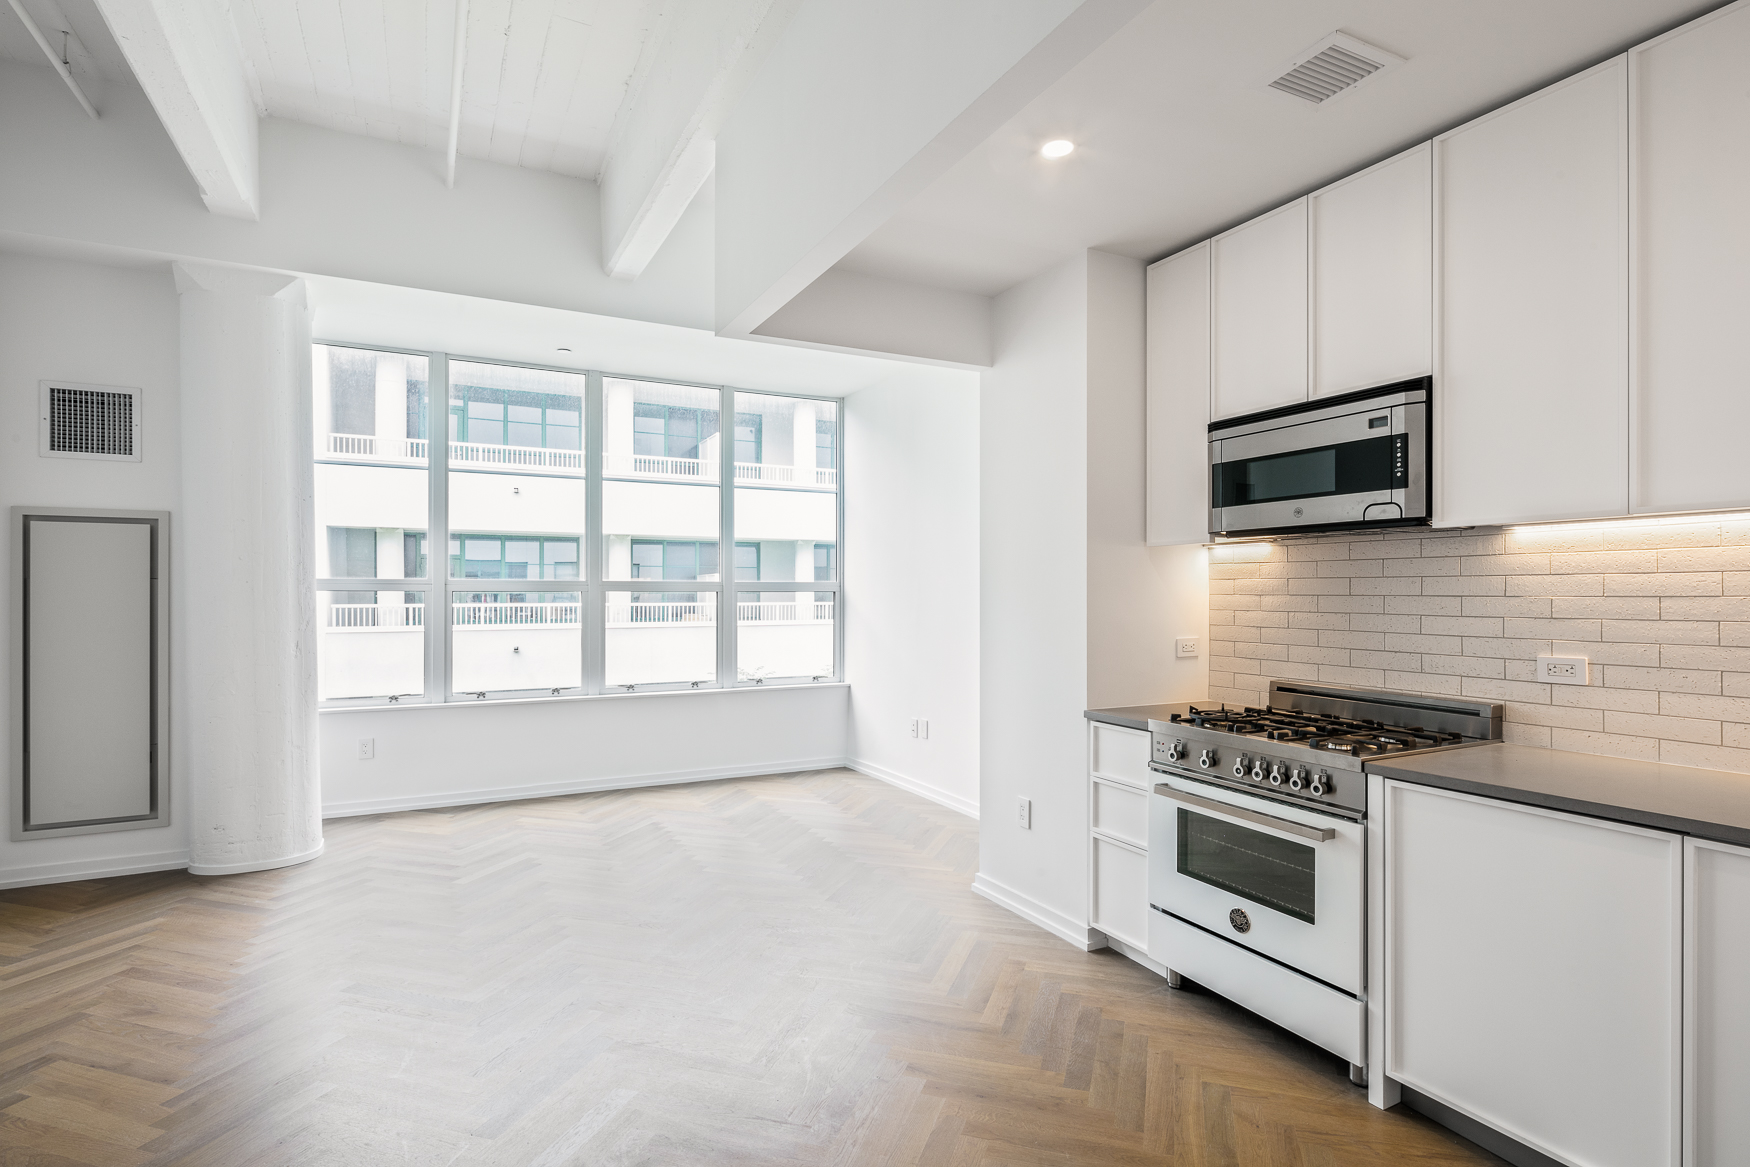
{"points": [[161, 762]]}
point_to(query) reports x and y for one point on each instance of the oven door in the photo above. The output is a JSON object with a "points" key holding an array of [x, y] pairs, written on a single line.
{"points": [[1280, 880], [1365, 467]]}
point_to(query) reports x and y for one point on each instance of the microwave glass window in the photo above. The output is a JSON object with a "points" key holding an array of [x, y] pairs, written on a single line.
{"points": [[1277, 873], [1291, 475], [1359, 467]]}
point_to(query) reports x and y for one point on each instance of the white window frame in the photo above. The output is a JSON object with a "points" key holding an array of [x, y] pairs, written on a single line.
{"points": [[592, 588]]}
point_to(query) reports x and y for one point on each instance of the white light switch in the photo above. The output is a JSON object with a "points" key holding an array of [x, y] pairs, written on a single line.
{"points": [[923, 728], [1185, 646], [1025, 814]]}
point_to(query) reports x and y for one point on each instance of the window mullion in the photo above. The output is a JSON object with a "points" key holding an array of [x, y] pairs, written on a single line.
{"points": [[726, 625], [594, 597], [437, 542]]}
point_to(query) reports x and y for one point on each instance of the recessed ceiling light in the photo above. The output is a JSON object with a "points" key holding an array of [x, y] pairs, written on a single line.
{"points": [[564, 350], [1058, 148]]}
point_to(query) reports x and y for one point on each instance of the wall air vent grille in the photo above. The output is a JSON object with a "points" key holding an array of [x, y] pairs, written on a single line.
{"points": [[90, 421], [1336, 64]]}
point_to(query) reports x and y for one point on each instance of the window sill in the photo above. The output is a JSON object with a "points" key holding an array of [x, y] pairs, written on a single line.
{"points": [[497, 703]]}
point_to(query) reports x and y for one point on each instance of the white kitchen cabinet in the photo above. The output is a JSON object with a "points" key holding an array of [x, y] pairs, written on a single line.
{"points": [[1533, 973], [1119, 782], [1531, 234], [1258, 313], [1690, 125], [1178, 399], [1373, 275], [1716, 1008]]}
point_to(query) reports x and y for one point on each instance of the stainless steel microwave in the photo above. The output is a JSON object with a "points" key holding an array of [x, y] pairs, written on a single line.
{"points": [[1341, 462]]}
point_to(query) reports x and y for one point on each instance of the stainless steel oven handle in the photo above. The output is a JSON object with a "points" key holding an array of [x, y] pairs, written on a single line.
{"points": [[1287, 826]]}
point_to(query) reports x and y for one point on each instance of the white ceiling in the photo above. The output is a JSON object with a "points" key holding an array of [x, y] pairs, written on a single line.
{"points": [[1178, 135], [83, 21], [542, 82]]}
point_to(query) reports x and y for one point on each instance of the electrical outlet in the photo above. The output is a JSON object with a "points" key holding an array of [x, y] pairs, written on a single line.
{"points": [[1025, 814], [923, 728], [367, 748], [914, 727], [1185, 646], [1563, 670]]}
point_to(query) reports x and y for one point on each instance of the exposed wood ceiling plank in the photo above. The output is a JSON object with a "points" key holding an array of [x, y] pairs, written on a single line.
{"points": [[186, 59]]}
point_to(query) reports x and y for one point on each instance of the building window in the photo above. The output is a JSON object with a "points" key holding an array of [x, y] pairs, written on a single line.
{"points": [[510, 504]]}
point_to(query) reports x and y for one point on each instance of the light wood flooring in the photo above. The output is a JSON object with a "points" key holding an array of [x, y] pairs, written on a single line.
{"points": [[782, 970]]}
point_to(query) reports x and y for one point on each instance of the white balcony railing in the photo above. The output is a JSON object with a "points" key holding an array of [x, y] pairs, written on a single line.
{"points": [[375, 617], [478, 455], [375, 449], [515, 615], [389, 617], [650, 466]]}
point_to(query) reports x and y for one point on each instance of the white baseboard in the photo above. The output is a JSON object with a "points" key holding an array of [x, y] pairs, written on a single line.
{"points": [[70, 870], [338, 810], [1053, 921], [255, 864], [935, 794]]}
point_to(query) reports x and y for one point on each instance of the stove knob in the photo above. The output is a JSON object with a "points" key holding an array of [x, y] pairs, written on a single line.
{"points": [[1258, 770], [1241, 766], [1207, 759], [1175, 751], [1321, 785], [1297, 779], [1275, 773]]}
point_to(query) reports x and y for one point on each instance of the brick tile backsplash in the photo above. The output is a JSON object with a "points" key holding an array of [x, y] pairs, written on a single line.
{"points": [[1662, 611]]}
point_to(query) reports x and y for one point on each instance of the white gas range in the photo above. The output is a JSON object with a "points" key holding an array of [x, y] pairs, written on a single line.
{"points": [[1258, 846]]}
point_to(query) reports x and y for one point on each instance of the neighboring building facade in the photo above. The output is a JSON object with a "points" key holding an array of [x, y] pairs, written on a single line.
{"points": [[516, 561]]}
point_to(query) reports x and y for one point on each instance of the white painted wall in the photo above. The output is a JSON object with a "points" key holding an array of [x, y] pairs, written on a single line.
{"points": [[863, 313], [1076, 612], [1033, 589], [492, 751], [1140, 598], [108, 326], [911, 581], [333, 204]]}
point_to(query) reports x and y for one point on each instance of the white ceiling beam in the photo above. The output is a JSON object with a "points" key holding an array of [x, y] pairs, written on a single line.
{"points": [[663, 144], [458, 63], [49, 28], [185, 55], [858, 109]]}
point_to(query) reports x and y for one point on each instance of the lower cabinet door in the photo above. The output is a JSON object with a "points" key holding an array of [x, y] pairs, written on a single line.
{"points": [[1533, 973], [1120, 899], [1716, 1006]]}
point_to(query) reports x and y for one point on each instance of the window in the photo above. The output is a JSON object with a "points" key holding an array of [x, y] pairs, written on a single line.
{"points": [[511, 495]]}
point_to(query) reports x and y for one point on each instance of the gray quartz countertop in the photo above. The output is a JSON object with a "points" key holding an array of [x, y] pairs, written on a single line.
{"points": [[1711, 804], [1133, 716]]}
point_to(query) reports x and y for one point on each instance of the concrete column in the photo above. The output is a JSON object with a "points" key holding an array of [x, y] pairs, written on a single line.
{"points": [[246, 606], [617, 420], [391, 404], [802, 443]]}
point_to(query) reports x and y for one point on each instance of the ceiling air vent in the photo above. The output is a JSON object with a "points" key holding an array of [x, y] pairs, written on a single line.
{"points": [[89, 421], [1335, 65]]}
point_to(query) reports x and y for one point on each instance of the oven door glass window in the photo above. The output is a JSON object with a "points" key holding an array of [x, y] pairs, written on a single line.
{"points": [[1274, 872], [1362, 467]]}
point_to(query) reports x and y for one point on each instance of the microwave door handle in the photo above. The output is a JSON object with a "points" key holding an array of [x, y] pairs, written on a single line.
{"points": [[1286, 826]]}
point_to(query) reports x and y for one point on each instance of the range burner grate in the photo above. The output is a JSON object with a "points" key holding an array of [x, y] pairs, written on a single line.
{"points": [[1361, 737]]}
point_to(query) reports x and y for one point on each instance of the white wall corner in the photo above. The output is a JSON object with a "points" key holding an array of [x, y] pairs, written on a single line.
{"points": [[947, 798], [851, 312], [187, 60], [1075, 932]]}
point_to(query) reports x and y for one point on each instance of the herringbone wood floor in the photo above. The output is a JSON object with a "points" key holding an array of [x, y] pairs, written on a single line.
{"points": [[785, 970]]}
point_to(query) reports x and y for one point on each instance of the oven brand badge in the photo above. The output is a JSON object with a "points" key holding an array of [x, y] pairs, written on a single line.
{"points": [[1239, 919]]}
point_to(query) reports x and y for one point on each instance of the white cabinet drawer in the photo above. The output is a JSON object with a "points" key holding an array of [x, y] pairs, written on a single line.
{"points": [[1120, 899], [1120, 811], [1119, 753]]}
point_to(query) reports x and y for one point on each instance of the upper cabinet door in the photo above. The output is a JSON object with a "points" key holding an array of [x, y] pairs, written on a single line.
{"points": [[1178, 398], [1373, 276], [1531, 392], [1690, 119], [1258, 339]]}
